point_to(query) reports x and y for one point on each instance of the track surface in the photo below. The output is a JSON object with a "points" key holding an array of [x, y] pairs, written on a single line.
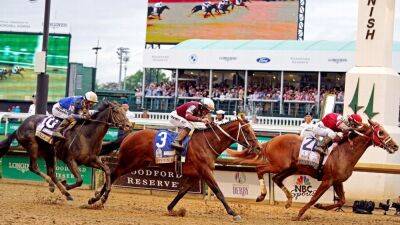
{"points": [[32, 204]]}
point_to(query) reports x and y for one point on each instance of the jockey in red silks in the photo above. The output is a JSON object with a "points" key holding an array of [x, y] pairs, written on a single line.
{"points": [[189, 112], [333, 123]]}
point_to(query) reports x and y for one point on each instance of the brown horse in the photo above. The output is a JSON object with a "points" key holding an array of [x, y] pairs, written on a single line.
{"points": [[205, 146], [80, 147], [280, 156]]}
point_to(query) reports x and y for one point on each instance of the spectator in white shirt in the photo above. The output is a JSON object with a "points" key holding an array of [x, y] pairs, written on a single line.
{"points": [[306, 127]]}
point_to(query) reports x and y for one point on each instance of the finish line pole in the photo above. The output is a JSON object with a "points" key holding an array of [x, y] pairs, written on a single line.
{"points": [[42, 85]]}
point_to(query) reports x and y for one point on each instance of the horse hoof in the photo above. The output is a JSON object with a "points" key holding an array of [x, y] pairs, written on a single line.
{"points": [[70, 198], [91, 201], [64, 183], [288, 205], [237, 218], [260, 198], [52, 189], [296, 218]]}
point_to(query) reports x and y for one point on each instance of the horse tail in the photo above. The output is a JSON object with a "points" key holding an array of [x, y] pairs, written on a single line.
{"points": [[5, 145], [249, 157]]}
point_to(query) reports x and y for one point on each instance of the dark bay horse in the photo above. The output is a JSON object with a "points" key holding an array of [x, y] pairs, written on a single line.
{"points": [[207, 11], [150, 11], [280, 156], [205, 146], [80, 147]]}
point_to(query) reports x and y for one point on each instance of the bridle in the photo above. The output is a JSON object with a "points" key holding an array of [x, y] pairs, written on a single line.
{"points": [[375, 137], [113, 123], [245, 144]]}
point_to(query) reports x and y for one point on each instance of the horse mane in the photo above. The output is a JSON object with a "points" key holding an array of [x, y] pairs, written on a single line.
{"points": [[103, 106], [221, 124]]}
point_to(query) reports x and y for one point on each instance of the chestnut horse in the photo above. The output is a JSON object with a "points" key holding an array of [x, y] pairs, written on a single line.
{"points": [[280, 156], [205, 146]]}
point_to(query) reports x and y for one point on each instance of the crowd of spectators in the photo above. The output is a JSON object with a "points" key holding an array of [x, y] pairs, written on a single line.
{"points": [[190, 89]]}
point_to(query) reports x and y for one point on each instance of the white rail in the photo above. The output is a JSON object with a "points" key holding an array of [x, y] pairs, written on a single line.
{"points": [[269, 124]]}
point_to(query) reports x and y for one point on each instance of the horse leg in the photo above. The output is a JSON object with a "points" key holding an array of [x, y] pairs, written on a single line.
{"points": [[320, 191], [340, 192], [73, 167], [50, 166], [261, 170], [278, 179], [186, 185], [210, 180], [98, 164]]}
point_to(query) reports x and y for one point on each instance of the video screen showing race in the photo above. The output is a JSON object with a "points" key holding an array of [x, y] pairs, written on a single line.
{"points": [[17, 53], [174, 21]]}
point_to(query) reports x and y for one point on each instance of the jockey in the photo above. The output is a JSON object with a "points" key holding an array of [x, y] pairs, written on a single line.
{"points": [[157, 6], [220, 118], [206, 4], [185, 114], [333, 123], [221, 4], [72, 108]]}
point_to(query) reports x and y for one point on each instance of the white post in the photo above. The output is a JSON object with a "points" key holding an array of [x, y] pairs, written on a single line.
{"points": [[210, 85], [281, 96], [379, 92]]}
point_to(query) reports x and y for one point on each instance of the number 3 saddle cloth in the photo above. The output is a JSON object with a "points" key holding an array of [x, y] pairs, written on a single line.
{"points": [[163, 151]]}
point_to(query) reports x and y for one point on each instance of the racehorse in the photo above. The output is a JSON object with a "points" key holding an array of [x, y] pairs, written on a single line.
{"points": [[241, 3], [208, 10], [80, 147], [280, 156], [150, 11], [136, 151], [3, 73], [225, 7]]}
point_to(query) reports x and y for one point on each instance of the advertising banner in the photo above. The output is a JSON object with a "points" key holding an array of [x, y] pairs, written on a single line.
{"points": [[17, 78], [153, 178], [17, 168], [234, 184], [173, 21], [302, 188]]}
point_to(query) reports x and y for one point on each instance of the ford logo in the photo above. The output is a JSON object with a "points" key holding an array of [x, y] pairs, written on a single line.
{"points": [[263, 60]]}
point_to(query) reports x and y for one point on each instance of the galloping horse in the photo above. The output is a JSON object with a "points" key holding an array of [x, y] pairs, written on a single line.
{"points": [[280, 156], [225, 7], [150, 11], [207, 10], [80, 147], [205, 146]]}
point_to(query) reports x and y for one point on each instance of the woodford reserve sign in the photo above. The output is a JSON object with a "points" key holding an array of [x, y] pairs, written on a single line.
{"points": [[153, 178]]}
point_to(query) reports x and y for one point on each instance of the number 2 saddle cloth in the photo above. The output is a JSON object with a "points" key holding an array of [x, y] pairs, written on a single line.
{"points": [[308, 154], [46, 128], [163, 151]]}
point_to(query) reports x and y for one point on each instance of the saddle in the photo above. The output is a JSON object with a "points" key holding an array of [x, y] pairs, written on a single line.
{"points": [[47, 127], [163, 151]]}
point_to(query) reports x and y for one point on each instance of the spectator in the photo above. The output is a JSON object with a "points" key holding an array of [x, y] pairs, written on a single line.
{"points": [[32, 107], [307, 126]]}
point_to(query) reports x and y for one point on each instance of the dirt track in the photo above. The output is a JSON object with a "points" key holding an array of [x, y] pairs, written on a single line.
{"points": [[27, 204]]}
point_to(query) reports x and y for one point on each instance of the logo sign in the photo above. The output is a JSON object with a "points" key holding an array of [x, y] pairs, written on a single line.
{"points": [[337, 60], [303, 187], [263, 60], [154, 178], [299, 60], [227, 58], [240, 188], [17, 168], [193, 58]]}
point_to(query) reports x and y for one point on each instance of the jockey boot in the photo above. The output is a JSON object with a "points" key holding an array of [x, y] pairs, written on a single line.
{"points": [[322, 150], [322, 146], [177, 144], [65, 125]]}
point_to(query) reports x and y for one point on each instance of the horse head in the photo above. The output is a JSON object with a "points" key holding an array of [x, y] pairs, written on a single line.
{"points": [[381, 138], [116, 115]]}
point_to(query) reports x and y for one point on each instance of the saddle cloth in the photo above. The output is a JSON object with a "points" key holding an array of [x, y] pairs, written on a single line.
{"points": [[46, 128], [163, 151], [308, 154]]}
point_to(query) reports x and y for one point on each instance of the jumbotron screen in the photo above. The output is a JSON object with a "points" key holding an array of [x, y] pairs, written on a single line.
{"points": [[17, 53], [174, 21]]}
